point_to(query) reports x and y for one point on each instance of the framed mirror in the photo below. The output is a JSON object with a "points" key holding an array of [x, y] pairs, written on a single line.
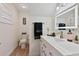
{"points": [[67, 19]]}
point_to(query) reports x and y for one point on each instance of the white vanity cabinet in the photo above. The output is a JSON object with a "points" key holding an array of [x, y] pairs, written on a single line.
{"points": [[47, 50], [53, 46]]}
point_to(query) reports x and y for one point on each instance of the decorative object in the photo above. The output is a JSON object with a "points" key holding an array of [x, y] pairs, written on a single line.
{"points": [[76, 38], [53, 34], [61, 35], [24, 21], [69, 32], [70, 36]]}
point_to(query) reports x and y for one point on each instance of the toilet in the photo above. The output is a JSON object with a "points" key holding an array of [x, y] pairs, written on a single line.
{"points": [[23, 41]]}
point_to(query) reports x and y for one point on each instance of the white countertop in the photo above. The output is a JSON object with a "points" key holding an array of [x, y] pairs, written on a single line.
{"points": [[63, 46]]}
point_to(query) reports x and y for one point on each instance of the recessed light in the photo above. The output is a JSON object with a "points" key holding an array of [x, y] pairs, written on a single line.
{"points": [[58, 8], [23, 6]]}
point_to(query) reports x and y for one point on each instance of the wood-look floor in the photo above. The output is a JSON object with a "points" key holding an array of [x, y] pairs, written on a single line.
{"points": [[20, 52]]}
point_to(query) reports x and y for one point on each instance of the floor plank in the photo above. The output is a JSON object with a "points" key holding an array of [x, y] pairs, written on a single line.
{"points": [[20, 52]]}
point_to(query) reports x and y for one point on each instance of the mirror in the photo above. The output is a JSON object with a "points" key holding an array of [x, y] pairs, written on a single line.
{"points": [[68, 17]]}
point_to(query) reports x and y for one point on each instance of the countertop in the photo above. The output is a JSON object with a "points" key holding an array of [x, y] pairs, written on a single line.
{"points": [[64, 47]]}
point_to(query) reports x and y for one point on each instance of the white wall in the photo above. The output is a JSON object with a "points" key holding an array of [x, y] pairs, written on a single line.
{"points": [[23, 28], [8, 32]]}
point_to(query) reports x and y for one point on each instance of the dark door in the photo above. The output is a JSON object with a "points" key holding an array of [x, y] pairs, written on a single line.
{"points": [[37, 30]]}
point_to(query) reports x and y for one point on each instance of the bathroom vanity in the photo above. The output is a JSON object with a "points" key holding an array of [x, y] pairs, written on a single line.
{"points": [[53, 46]]}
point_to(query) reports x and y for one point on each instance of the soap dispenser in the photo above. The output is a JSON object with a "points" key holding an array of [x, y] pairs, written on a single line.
{"points": [[76, 38]]}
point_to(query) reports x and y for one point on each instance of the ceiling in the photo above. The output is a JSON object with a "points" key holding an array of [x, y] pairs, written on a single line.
{"points": [[37, 9]]}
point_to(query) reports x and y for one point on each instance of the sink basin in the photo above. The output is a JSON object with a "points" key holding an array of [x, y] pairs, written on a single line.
{"points": [[68, 47], [60, 40]]}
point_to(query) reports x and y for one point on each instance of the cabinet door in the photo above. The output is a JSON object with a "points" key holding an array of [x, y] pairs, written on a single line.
{"points": [[50, 51], [45, 45], [47, 50], [56, 52], [43, 50], [42, 47]]}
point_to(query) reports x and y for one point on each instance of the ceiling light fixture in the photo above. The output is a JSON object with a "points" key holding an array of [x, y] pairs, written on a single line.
{"points": [[23, 7]]}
